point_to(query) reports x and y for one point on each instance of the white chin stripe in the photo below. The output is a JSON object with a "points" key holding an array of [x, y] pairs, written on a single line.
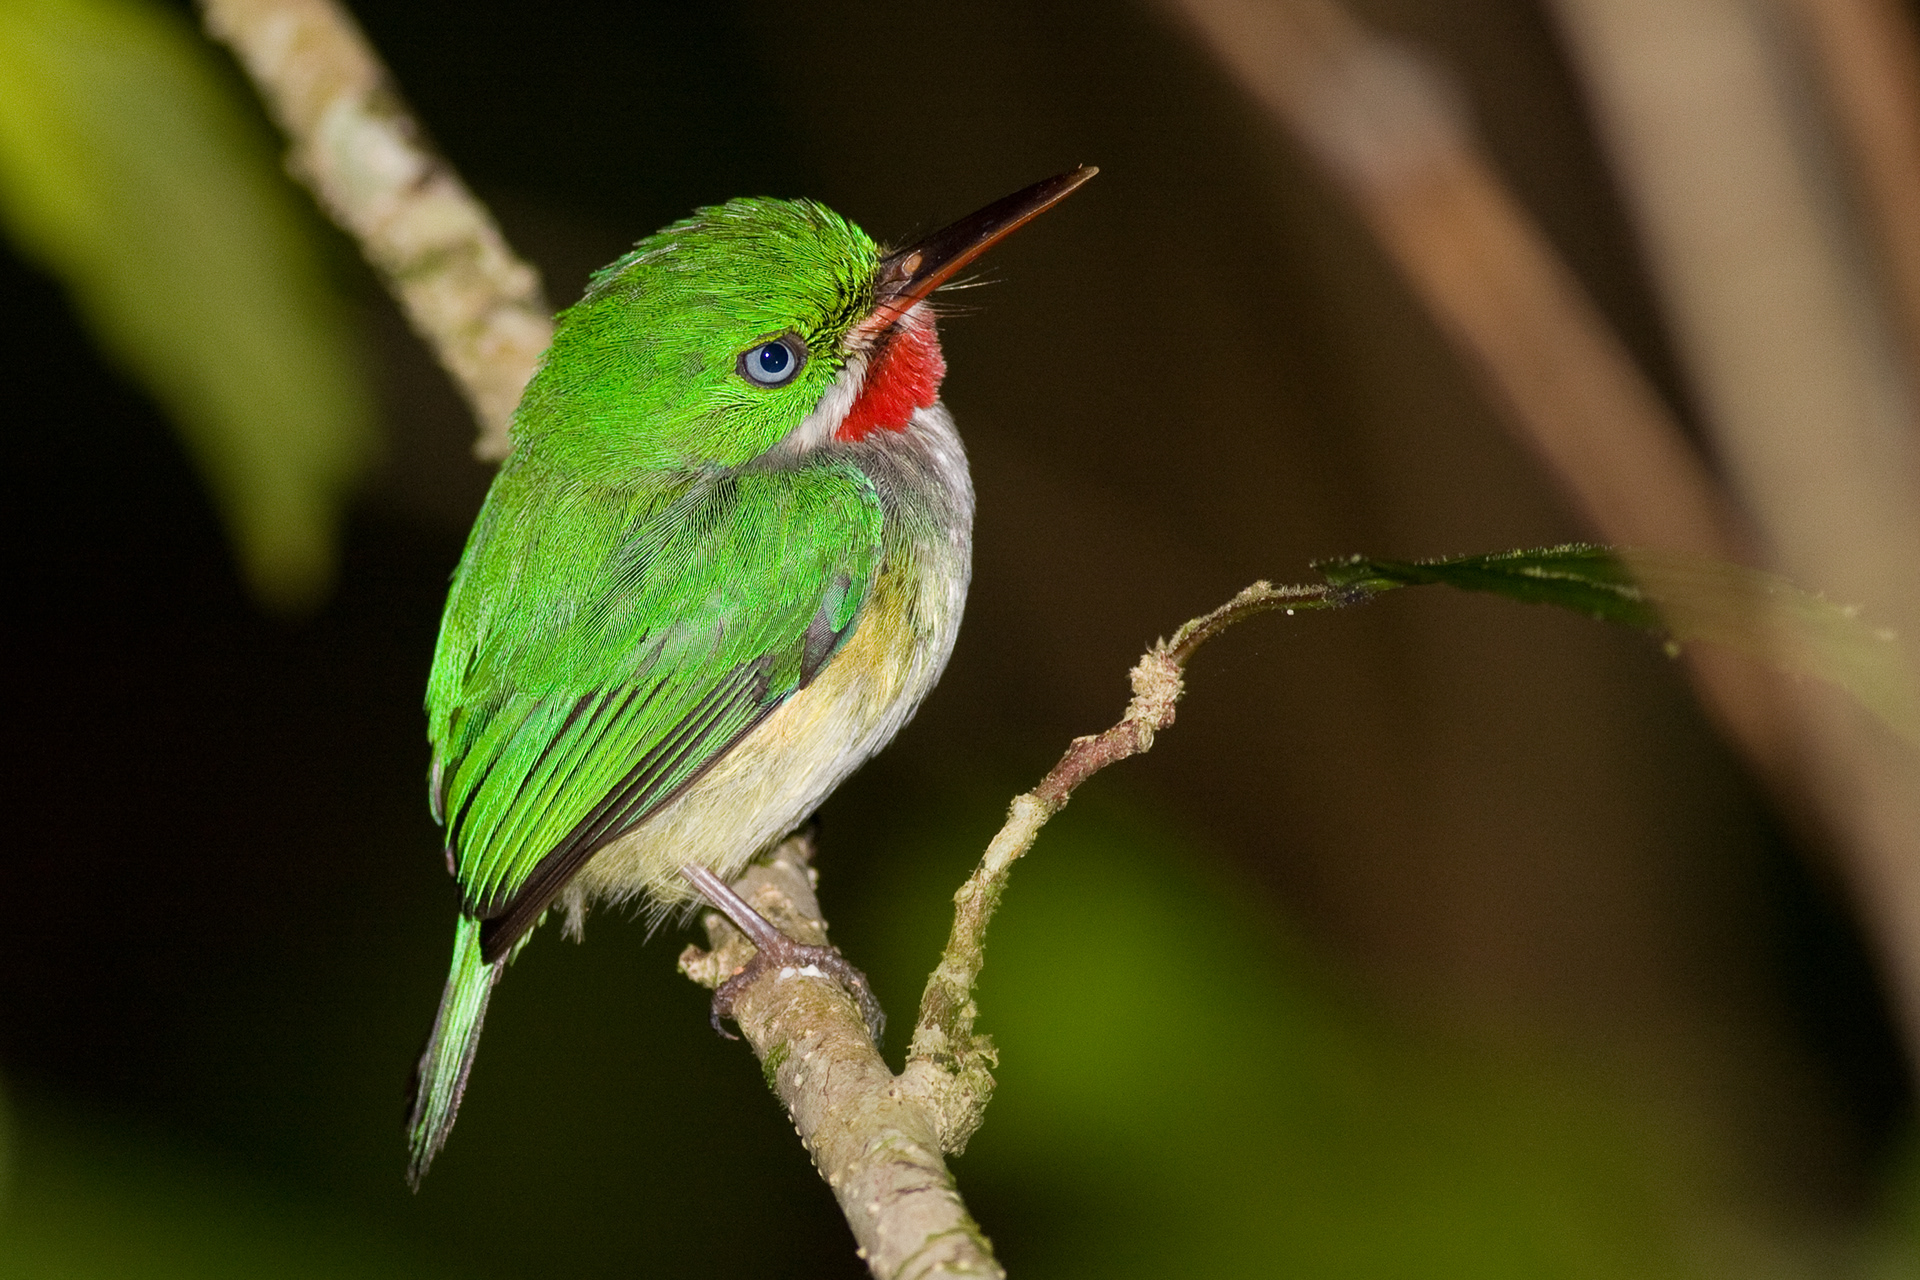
{"points": [[817, 428]]}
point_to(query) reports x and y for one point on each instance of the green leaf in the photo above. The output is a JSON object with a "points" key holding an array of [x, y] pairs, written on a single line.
{"points": [[132, 170], [1690, 599], [92, 1200], [1183, 1092], [1578, 576], [1767, 617], [1894, 1238]]}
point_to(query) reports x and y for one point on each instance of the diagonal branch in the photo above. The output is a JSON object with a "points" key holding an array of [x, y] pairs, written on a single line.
{"points": [[947, 1058], [369, 164], [875, 1140]]}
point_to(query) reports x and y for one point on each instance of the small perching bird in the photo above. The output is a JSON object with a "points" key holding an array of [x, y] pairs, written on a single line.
{"points": [[723, 564]]}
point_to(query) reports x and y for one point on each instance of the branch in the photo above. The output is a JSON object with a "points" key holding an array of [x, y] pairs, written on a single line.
{"points": [[877, 1138], [368, 163], [947, 1059], [875, 1142]]}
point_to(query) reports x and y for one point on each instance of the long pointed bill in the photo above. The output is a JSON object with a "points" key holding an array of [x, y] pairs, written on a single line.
{"points": [[909, 275]]}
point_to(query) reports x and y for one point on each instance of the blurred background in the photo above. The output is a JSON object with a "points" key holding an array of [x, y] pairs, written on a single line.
{"points": [[1438, 938]]}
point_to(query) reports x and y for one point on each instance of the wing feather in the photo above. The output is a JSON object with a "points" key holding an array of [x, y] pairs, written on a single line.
{"points": [[600, 652]]}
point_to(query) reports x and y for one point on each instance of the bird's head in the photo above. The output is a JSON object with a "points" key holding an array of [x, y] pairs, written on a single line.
{"points": [[754, 326]]}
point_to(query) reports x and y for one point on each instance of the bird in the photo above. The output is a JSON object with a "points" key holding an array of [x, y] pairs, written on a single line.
{"points": [[722, 565]]}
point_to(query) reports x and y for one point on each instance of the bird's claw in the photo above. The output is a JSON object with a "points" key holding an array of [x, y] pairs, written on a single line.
{"points": [[785, 956]]}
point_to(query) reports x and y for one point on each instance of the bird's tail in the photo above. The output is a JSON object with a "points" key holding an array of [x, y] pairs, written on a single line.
{"points": [[441, 1077]]}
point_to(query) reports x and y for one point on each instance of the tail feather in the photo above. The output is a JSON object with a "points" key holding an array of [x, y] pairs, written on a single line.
{"points": [[441, 1078]]}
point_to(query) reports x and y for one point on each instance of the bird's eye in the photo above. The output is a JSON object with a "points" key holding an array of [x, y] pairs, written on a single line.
{"points": [[773, 364]]}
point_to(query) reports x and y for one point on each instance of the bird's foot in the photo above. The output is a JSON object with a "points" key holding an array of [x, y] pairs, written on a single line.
{"points": [[790, 959], [774, 950]]}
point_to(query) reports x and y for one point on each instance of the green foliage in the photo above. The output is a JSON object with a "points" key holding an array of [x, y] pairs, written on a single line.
{"points": [[89, 1203], [1179, 1096], [1689, 598], [1894, 1252], [1768, 618], [130, 169], [1586, 579]]}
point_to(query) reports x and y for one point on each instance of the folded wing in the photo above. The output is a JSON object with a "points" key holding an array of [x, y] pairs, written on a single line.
{"points": [[600, 653]]}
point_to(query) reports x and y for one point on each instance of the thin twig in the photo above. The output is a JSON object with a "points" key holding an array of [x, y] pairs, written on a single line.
{"points": [[947, 1060], [367, 161], [877, 1138]]}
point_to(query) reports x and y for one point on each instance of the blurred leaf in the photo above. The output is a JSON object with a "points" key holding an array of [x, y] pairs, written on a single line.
{"points": [[1690, 598], [1895, 1251], [1586, 579], [130, 169], [6, 1155], [1179, 1096], [1768, 618], [88, 1202]]}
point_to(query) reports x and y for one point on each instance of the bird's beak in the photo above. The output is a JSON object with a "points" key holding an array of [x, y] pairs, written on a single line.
{"points": [[908, 275]]}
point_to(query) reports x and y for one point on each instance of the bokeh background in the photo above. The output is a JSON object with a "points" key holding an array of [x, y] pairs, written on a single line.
{"points": [[1439, 938]]}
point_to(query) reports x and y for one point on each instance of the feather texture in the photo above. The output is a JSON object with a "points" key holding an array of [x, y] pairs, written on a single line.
{"points": [[579, 696], [441, 1077]]}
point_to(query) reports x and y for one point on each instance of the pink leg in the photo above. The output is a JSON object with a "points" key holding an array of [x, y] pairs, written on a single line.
{"points": [[775, 950]]}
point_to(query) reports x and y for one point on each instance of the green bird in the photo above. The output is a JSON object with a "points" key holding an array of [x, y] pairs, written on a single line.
{"points": [[723, 564]]}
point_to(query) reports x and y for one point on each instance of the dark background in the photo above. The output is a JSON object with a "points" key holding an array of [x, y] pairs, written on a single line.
{"points": [[1466, 828]]}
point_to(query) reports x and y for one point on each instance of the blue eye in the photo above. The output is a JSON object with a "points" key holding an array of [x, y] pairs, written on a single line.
{"points": [[772, 364]]}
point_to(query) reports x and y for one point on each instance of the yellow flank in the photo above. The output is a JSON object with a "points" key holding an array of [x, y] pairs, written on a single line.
{"points": [[779, 773]]}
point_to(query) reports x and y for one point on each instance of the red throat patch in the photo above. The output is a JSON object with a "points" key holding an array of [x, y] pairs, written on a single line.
{"points": [[903, 375]]}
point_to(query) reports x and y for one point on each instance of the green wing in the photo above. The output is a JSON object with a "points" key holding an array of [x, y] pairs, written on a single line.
{"points": [[600, 650]]}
